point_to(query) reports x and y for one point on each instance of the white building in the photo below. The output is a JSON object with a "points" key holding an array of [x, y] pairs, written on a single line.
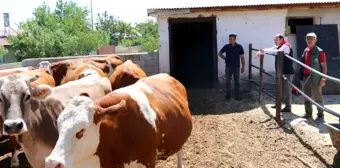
{"points": [[192, 35]]}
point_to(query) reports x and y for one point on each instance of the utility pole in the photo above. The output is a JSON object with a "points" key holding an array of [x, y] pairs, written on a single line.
{"points": [[92, 15]]}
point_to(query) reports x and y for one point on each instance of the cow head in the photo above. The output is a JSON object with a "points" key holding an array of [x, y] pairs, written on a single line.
{"points": [[79, 133], [46, 65], [15, 102]]}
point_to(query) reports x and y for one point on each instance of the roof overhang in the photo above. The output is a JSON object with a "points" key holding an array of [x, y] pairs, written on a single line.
{"points": [[176, 11], [160, 12]]}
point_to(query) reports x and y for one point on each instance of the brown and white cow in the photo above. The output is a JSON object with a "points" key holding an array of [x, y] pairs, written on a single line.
{"points": [[13, 71], [106, 64], [131, 126], [30, 114], [44, 77], [81, 70], [126, 74]]}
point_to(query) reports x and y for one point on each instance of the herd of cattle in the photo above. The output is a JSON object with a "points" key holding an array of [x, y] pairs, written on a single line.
{"points": [[96, 112]]}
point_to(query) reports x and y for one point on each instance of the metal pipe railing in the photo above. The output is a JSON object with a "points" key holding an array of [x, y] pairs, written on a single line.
{"points": [[336, 80], [311, 100], [280, 78], [262, 71], [253, 49]]}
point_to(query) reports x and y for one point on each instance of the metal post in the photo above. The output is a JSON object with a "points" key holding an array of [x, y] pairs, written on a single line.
{"points": [[92, 16], [261, 79], [249, 65], [279, 85]]}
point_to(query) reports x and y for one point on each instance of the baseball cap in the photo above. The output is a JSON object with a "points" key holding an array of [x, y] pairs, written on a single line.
{"points": [[312, 34]]}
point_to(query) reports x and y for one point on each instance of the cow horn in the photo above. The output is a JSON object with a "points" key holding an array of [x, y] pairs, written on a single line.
{"points": [[34, 78]]}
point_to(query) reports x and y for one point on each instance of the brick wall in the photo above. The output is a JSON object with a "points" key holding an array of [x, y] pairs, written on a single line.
{"points": [[147, 61], [106, 50]]}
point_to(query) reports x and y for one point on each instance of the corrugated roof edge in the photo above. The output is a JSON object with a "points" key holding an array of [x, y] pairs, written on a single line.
{"points": [[249, 5]]}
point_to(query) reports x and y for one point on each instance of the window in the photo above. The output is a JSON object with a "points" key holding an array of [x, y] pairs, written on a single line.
{"points": [[292, 22]]}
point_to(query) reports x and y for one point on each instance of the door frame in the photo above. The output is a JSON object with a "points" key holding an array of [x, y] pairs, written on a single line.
{"points": [[172, 62]]}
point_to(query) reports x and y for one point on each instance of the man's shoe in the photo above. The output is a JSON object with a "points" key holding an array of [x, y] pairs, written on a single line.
{"points": [[286, 110], [320, 119]]}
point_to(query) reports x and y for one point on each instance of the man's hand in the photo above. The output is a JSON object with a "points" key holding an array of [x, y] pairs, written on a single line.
{"points": [[242, 69], [322, 82], [258, 54]]}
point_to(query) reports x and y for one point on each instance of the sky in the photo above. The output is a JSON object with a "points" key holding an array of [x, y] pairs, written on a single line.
{"points": [[129, 10]]}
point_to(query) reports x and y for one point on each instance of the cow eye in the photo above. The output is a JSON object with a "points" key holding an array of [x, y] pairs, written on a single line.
{"points": [[80, 134]]}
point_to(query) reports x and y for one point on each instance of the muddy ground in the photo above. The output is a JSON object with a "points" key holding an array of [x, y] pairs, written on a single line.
{"points": [[238, 135]]}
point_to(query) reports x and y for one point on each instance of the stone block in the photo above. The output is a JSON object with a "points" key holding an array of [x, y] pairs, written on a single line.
{"points": [[151, 62], [139, 62], [132, 57], [151, 69], [150, 56]]}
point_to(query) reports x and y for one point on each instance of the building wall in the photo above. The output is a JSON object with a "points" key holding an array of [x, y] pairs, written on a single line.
{"points": [[256, 27]]}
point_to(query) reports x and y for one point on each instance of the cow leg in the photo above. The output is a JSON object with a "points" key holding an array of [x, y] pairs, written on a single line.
{"points": [[179, 159], [15, 159]]}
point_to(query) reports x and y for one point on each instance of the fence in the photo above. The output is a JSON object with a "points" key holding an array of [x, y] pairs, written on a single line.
{"points": [[279, 82], [262, 72]]}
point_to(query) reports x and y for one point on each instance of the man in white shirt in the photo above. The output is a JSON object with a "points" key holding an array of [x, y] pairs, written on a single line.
{"points": [[282, 45]]}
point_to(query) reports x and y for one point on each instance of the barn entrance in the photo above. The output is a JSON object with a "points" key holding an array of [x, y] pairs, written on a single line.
{"points": [[193, 52]]}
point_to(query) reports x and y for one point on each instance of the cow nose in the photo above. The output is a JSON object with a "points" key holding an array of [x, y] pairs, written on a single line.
{"points": [[19, 125], [51, 163], [13, 127]]}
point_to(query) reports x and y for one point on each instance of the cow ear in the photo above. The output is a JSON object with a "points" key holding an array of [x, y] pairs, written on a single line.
{"points": [[41, 91], [113, 110], [84, 94]]}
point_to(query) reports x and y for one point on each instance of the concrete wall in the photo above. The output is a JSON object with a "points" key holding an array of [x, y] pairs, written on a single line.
{"points": [[10, 65], [147, 61], [256, 27], [132, 49]]}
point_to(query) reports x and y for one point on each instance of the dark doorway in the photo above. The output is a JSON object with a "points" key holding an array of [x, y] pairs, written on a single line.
{"points": [[328, 40], [193, 57]]}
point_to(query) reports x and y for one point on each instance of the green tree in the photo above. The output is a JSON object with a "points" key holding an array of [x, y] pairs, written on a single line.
{"points": [[117, 29], [148, 35], [64, 31], [124, 34], [3, 51]]}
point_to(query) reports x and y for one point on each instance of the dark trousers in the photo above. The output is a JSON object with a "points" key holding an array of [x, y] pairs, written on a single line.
{"points": [[232, 72], [313, 91]]}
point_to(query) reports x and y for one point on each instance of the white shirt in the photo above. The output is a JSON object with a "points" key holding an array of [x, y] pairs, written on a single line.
{"points": [[273, 50]]}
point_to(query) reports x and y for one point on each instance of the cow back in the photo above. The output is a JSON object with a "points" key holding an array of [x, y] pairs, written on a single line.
{"points": [[44, 77], [155, 110], [126, 74]]}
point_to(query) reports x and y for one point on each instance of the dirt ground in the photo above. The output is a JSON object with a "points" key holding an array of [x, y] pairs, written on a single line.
{"points": [[241, 140], [238, 135], [250, 139]]}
